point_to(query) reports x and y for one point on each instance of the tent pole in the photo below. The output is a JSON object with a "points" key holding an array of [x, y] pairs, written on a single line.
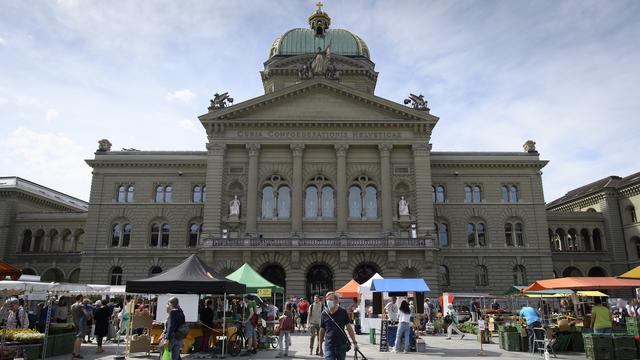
{"points": [[224, 323]]}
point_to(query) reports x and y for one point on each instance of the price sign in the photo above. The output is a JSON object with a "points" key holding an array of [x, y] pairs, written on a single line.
{"points": [[264, 292], [481, 325]]}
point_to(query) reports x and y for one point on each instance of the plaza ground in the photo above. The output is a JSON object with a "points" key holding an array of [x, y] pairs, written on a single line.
{"points": [[437, 347]]}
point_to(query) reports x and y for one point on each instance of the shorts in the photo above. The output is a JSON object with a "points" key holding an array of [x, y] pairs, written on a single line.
{"points": [[80, 330], [249, 329]]}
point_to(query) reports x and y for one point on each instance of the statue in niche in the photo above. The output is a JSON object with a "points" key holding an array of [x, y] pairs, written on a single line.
{"points": [[234, 206], [321, 61], [403, 207]]}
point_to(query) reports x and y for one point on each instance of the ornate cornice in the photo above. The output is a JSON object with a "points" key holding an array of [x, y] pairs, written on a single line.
{"points": [[254, 149], [385, 149], [146, 163], [488, 164], [422, 148], [341, 149], [580, 203], [297, 149]]}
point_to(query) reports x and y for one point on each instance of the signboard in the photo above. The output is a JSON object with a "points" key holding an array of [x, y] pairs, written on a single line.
{"points": [[481, 325], [188, 303], [264, 292]]}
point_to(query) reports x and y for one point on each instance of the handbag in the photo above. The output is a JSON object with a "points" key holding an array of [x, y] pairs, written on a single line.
{"points": [[276, 330]]}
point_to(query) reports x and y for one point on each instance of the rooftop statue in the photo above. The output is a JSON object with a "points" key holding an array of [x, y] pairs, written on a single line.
{"points": [[220, 100], [417, 102], [320, 62]]}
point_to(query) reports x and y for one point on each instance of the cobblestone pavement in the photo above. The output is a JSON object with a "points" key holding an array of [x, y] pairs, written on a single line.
{"points": [[437, 347]]}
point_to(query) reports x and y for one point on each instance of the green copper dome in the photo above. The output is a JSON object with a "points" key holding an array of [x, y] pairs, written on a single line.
{"points": [[305, 41]]}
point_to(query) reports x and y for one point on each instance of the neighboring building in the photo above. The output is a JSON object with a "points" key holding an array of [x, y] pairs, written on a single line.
{"points": [[314, 183]]}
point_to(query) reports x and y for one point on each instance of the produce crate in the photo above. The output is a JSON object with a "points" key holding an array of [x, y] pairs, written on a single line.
{"points": [[633, 326], [524, 343], [512, 341], [32, 352], [577, 342], [626, 354], [501, 339], [623, 342], [598, 347], [562, 342], [62, 345]]}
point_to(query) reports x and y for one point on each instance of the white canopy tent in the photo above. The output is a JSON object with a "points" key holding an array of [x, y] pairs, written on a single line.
{"points": [[366, 294]]}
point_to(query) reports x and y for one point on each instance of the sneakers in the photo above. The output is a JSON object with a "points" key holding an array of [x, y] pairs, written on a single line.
{"points": [[447, 338], [393, 350], [462, 337], [405, 352]]}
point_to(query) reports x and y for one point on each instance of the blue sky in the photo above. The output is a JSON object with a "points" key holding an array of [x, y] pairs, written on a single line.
{"points": [[563, 73]]}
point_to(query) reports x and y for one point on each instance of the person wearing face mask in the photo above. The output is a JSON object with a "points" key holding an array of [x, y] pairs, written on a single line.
{"points": [[333, 322]]}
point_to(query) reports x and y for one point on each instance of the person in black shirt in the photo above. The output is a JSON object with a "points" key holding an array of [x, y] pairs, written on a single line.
{"points": [[206, 318], [333, 322]]}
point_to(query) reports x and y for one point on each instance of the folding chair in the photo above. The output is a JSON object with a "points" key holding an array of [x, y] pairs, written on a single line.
{"points": [[543, 341]]}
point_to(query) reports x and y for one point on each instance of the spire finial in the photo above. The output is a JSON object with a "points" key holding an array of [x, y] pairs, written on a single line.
{"points": [[319, 4], [319, 20]]}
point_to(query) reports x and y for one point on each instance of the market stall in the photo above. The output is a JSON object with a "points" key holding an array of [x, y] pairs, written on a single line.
{"points": [[8, 270], [367, 321], [349, 290], [192, 276]]}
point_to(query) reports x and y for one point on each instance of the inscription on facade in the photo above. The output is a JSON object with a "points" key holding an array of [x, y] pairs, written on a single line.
{"points": [[289, 134]]}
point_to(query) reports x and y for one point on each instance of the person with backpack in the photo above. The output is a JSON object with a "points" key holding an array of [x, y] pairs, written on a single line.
{"points": [[333, 322], [175, 329], [285, 325], [313, 322]]}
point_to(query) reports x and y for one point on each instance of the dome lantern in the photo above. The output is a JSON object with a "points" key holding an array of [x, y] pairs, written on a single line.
{"points": [[319, 21]]}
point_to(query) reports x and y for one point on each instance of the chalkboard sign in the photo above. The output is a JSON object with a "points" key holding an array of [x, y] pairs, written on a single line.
{"points": [[384, 327]]}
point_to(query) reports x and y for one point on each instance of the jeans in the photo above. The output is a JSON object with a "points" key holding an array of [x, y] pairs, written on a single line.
{"points": [[284, 337], [404, 331], [602, 331], [174, 346], [335, 352]]}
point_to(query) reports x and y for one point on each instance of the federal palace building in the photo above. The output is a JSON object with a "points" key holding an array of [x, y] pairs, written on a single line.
{"points": [[318, 181]]}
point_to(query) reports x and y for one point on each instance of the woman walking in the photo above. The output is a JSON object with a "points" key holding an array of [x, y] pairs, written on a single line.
{"points": [[101, 321], [453, 326], [404, 328], [286, 326]]}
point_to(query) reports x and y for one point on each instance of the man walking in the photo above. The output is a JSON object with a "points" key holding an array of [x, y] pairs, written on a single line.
{"points": [[313, 322], [303, 308], [333, 322], [79, 316]]}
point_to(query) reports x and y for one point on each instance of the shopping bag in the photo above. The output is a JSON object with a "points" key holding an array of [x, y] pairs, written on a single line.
{"points": [[166, 354]]}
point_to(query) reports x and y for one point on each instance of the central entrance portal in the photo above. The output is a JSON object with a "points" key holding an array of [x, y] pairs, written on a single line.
{"points": [[319, 281]]}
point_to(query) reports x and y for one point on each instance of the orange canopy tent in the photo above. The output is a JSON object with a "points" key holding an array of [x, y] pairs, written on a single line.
{"points": [[350, 290], [583, 283], [8, 270], [631, 274]]}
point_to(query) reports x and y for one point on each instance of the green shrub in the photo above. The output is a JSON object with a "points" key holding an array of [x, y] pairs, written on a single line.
{"points": [[468, 327]]}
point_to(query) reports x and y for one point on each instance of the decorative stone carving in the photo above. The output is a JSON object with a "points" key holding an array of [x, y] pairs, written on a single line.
{"points": [[530, 146], [234, 207], [421, 147], [320, 62], [385, 148], [417, 102], [254, 149], [322, 65], [403, 207], [104, 145], [216, 148], [297, 149], [341, 149], [220, 101]]}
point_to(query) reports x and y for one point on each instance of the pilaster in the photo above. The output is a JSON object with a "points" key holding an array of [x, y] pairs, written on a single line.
{"points": [[385, 184], [341, 188], [252, 189], [296, 191], [424, 214], [213, 205]]}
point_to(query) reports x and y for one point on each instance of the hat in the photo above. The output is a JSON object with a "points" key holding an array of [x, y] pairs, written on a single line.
{"points": [[173, 301]]}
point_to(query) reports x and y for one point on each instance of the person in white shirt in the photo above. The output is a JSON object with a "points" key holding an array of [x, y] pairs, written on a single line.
{"points": [[404, 329], [391, 309]]}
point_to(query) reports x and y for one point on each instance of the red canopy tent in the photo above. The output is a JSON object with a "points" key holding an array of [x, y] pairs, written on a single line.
{"points": [[350, 290], [583, 283]]}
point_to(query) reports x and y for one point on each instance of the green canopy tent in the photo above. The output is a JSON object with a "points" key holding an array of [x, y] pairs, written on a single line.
{"points": [[253, 280]]}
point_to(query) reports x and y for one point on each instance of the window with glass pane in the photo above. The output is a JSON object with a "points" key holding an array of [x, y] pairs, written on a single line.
{"points": [[284, 202], [519, 235], [440, 194], [121, 194], [155, 235], [194, 231], [514, 194], [443, 234], [115, 235], [476, 194], [504, 191], [130, 190], [168, 193], [508, 234], [468, 196], [482, 275], [371, 202], [116, 276], [159, 195], [26, 240], [166, 230], [204, 193], [597, 240], [471, 235], [311, 202], [444, 275], [126, 235], [267, 202], [355, 203], [481, 235], [519, 275], [327, 202], [433, 194], [197, 194]]}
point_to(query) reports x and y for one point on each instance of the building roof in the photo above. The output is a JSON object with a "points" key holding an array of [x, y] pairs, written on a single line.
{"points": [[304, 41], [20, 184], [613, 181]]}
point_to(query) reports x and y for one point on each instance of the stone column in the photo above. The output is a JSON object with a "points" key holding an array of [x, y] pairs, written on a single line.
{"points": [[296, 191], [385, 188], [252, 189], [341, 188], [213, 204], [423, 207]]}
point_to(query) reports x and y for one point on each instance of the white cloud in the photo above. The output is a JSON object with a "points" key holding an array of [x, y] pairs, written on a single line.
{"points": [[188, 125], [3, 100], [52, 114], [184, 95], [2, 41], [25, 100]]}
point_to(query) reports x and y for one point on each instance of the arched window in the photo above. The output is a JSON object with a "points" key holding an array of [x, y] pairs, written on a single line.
{"points": [[155, 270], [121, 194], [561, 237], [53, 241], [504, 192], [468, 194], [585, 237], [572, 271], [519, 275], [482, 275], [364, 271], [327, 202], [481, 235], [471, 234], [38, 241], [631, 210], [159, 235], [166, 229], [155, 235], [204, 193], [115, 278], [635, 241], [552, 240], [443, 274], [443, 234], [476, 234], [433, 194], [572, 240], [168, 193], [440, 194], [158, 195], [311, 202], [371, 202], [597, 240], [597, 271], [116, 235], [130, 191], [519, 235], [284, 202], [126, 235], [268, 202], [355, 203], [74, 277], [476, 194], [197, 194], [513, 194], [194, 235], [319, 280], [27, 236], [508, 234]]}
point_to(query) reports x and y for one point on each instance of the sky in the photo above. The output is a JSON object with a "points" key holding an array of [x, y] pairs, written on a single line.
{"points": [[563, 73]]}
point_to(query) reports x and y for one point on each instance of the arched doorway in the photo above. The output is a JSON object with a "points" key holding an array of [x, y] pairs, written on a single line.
{"points": [[52, 275], [597, 271], [572, 271], [155, 270], [319, 280], [74, 277], [364, 272], [29, 271], [410, 273], [275, 273]]}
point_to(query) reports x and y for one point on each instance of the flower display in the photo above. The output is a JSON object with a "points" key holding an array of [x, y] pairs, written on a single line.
{"points": [[25, 336]]}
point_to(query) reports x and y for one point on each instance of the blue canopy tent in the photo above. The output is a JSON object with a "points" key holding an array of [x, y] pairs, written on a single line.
{"points": [[399, 285]]}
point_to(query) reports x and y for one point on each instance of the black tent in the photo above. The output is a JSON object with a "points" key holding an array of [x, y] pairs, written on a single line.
{"points": [[192, 276]]}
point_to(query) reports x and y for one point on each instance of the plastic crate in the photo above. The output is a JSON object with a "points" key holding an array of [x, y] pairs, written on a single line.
{"points": [[32, 352], [512, 341], [623, 342], [626, 353]]}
